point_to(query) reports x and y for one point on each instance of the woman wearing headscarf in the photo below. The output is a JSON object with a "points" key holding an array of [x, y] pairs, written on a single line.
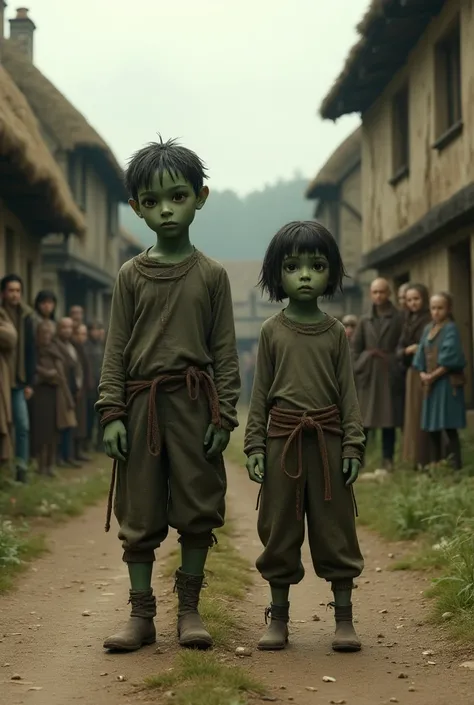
{"points": [[415, 444]]}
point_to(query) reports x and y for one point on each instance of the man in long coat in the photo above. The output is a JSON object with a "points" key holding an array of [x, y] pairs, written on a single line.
{"points": [[379, 380]]}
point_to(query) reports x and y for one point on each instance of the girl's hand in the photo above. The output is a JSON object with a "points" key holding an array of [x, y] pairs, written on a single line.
{"points": [[425, 378], [256, 467], [411, 349], [351, 467]]}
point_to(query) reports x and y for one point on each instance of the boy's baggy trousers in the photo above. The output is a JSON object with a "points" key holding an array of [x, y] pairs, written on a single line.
{"points": [[167, 479]]}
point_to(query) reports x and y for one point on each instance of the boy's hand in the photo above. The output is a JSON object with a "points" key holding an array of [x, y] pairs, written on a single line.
{"points": [[115, 440], [216, 440], [256, 467], [351, 467]]}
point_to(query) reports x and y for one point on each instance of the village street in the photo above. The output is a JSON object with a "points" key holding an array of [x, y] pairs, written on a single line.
{"points": [[52, 627]]}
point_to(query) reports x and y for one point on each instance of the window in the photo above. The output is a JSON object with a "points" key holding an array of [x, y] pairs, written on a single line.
{"points": [[400, 135], [448, 82], [112, 216], [10, 264]]}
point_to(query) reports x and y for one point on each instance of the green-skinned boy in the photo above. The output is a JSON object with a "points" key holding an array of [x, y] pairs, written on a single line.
{"points": [[168, 391]]}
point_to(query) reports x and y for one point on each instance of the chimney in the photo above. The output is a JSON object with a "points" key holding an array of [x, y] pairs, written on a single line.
{"points": [[3, 5], [22, 29]]}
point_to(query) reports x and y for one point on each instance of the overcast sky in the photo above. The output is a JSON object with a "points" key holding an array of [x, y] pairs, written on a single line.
{"points": [[240, 82]]}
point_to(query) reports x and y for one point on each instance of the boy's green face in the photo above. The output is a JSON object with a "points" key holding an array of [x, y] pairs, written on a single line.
{"points": [[305, 276], [168, 208]]}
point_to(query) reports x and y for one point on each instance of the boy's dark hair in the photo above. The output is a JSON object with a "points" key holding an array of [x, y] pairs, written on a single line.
{"points": [[9, 279], [159, 157], [297, 237]]}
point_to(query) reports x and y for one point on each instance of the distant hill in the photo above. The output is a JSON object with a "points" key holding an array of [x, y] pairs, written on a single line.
{"points": [[231, 227]]}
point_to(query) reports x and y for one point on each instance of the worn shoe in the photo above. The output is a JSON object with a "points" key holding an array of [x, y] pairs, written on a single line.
{"points": [[140, 628], [276, 634], [345, 638], [191, 630]]}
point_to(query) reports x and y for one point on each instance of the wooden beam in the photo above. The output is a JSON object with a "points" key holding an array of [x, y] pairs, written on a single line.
{"points": [[446, 217]]}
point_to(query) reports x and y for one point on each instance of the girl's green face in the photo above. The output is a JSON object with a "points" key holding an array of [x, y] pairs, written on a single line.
{"points": [[305, 276]]}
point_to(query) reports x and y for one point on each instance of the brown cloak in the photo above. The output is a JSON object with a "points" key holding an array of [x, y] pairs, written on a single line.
{"points": [[8, 342], [379, 379]]}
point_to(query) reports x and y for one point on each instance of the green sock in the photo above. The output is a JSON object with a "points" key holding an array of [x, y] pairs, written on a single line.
{"points": [[280, 595], [193, 560], [342, 598], [140, 575]]}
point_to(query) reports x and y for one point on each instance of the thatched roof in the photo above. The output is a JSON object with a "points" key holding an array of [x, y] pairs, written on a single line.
{"points": [[30, 179], [57, 114], [389, 30], [341, 162]]}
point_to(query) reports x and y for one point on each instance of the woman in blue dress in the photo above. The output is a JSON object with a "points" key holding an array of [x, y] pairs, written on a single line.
{"points": [[441, 362]]}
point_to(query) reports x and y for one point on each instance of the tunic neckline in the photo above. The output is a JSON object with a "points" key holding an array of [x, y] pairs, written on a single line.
{"points": [[307, 328]]}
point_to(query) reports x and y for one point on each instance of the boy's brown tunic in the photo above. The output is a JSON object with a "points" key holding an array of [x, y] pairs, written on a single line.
{"points": [[169, 320], [304, 387]]}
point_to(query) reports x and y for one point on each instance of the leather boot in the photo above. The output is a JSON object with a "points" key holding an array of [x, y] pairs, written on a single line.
{"points": [[276, 634], [191, 630], [140, 628], [346, 638]]}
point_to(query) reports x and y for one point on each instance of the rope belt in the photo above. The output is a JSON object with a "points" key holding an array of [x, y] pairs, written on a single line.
{"points": [[292, 425], [193, 379]]}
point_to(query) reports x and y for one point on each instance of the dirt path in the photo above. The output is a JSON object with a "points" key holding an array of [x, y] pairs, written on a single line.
{"points": [[45, 638]]}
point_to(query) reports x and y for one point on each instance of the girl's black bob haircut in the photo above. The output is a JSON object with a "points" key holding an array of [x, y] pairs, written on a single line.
{"points": [[160, 157], [298, 237]]}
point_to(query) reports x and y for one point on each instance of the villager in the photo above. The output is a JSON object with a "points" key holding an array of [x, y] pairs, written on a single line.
{"points": [[415, 443], [73, 376], [45, 308], [304, 437], [350, 324], [440, 361], [379, 379], [43, 404], [8, 341], [79, 338], [76, 314], [402, 297], [23, 368], [168, 392]]}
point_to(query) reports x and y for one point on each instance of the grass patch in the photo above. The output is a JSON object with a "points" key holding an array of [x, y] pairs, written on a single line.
{"points": [[435, 510], [17, 548], [67, 495], [199, 679]]}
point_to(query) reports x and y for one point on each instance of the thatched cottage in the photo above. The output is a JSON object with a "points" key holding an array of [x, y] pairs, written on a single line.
{"points": [[80, 270], [35, 198]]}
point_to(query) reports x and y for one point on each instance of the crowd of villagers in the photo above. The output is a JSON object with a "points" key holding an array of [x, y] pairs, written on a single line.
{"points": [[49, 374], [409, 369]]}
